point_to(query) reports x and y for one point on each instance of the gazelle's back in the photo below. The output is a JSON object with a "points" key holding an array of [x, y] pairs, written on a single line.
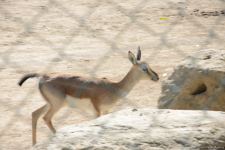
{"points": [[79, 87]]}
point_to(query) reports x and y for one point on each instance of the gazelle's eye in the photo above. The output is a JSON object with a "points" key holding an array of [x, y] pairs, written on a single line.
{"points": [[145, 69]]}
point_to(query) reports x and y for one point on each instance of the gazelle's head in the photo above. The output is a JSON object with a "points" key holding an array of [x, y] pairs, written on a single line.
{"points": [[142, 67]]}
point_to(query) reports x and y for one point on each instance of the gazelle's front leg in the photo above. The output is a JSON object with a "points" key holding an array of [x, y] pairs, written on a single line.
{"points": [[97, 107]]}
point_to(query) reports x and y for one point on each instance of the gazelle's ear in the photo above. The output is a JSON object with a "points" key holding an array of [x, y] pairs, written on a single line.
{"points": [[138, 53], [132, 58]]}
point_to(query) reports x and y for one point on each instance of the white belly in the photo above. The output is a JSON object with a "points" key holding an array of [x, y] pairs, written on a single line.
{"points": [[82, 105]]}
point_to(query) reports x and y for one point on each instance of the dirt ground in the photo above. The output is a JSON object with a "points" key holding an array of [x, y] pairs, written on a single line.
{"points": [[92, 38]]}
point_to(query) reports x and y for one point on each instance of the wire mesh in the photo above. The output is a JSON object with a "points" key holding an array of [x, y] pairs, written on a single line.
{"points": [[158, 27]]}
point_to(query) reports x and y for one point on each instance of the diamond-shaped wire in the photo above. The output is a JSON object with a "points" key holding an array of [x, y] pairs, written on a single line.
{"points": [[111, 42]]}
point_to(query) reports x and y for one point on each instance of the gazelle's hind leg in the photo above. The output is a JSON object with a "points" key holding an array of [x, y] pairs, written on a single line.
{"points": [[56, 99], [48, 116], [35, 116]]}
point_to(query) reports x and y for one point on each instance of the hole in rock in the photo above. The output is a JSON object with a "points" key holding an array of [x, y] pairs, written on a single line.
{"points": [[201, 88]]}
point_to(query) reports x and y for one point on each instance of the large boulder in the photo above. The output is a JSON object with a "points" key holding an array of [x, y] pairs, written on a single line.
{"points": [[148, 129], [197, 83]]}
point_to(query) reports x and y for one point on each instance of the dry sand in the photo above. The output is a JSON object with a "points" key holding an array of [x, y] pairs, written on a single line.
{"points": [[91, 38]]}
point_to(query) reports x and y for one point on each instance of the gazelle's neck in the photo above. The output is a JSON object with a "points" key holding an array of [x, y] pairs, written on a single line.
{"points": [[128, 82]]}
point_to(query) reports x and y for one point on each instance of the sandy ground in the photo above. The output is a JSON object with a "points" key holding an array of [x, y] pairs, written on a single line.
{"points": [[91, 38]]}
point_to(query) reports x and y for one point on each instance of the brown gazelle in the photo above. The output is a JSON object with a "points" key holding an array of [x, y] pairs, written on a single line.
{"points": [[95, 94]]}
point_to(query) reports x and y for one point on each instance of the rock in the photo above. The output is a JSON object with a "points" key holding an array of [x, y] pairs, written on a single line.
{"points": [[153, 130], [198, 83]]}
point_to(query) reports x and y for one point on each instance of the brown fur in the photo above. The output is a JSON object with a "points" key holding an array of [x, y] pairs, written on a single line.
{"points": [[101, 92]]}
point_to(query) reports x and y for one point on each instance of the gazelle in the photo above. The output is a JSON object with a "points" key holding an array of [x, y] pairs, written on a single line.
{"points": [[101, 94]]}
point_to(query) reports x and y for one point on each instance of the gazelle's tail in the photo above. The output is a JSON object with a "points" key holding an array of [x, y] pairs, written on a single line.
{"points": [[27, 76]]}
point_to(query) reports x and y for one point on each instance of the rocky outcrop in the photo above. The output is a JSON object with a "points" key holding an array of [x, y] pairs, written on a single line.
{"points": [[148, 129], [197, 83]]}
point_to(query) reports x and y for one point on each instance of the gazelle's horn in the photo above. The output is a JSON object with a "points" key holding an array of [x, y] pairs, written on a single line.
{"points": [[138, 53]]}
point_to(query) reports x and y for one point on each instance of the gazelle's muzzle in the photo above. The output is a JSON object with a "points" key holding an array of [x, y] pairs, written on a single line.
{"points": [[154, 75], [155, 78]]}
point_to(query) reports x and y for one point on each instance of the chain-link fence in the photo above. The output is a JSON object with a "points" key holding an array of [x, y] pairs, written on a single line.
{"points": [[93, 37]]}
